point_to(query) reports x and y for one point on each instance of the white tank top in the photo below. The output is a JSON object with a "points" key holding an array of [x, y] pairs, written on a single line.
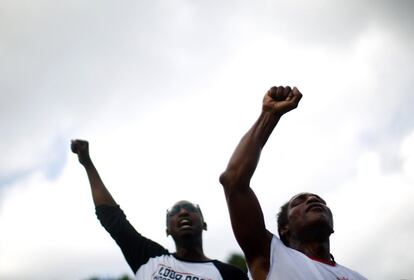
{"points": [[289, 264]]}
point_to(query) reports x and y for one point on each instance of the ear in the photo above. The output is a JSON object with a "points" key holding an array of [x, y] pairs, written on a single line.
{"points": [[204, 226], [285, 232]]}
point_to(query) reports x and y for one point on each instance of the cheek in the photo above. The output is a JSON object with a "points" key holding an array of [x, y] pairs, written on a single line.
{"points": [[331, 217], [197, 220], [294, 213], [171, 222], [295, 217]]}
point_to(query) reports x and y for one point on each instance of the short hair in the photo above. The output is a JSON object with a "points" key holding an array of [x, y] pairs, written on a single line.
{"points": [[282, 221]]}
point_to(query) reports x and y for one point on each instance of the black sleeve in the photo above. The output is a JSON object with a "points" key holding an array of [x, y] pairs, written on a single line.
{"points": [[229, 272], [136, 248]]}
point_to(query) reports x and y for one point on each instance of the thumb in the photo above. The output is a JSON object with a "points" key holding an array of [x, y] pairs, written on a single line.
{"points": [[296, 96], [73, 146]]}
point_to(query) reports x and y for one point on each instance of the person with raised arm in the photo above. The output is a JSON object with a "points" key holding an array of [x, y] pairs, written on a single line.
{"points": [[148, 259], [305, 222]]}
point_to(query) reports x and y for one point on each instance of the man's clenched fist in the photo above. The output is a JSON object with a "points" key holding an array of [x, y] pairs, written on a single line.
{"points": [[81, 148], [280, 100]]}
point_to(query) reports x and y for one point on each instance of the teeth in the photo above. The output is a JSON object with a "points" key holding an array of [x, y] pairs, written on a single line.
{"points": [[185, 222]]}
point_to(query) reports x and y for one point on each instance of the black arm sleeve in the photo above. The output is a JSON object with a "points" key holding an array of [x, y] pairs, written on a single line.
{"points": [[136, 249], [229, 272]]}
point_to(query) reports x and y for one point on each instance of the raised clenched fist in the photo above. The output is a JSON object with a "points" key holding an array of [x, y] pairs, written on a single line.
{"points": [[280, 100], [81, 148]]}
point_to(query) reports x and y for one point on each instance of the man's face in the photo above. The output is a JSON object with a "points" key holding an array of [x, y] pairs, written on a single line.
{"points": [[307, 213], [184, 219]]}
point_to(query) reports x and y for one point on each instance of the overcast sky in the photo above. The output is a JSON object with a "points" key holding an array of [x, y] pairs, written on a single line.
{"points": [[164, 90]]}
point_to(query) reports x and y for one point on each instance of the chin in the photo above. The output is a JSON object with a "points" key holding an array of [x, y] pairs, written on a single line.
{"points": [[321, 218], [186, 233], [319, 227]]}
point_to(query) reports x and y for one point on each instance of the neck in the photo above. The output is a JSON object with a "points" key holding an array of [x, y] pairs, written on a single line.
{"points": [[190, 249], [313, 248], [313, 242]]}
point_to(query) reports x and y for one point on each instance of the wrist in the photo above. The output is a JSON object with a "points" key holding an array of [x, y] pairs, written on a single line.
{"points": [[87, 162], [270, 116]]}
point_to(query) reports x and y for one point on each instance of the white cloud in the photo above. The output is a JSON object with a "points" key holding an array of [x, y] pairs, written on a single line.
{"points": [[407, 153]]}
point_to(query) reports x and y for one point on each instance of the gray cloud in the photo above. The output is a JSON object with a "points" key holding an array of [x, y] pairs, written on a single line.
{"points": [[335, 23], [73, 66], [74, 63]]}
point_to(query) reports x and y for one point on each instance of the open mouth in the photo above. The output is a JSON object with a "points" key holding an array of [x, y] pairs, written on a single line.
{"points": [[184, 223]]}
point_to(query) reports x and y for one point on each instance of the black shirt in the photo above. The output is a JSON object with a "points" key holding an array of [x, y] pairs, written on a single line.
{"points": [[149, 260]]}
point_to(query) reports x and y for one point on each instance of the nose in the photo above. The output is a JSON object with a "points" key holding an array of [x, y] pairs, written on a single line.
{"points": [[183, 211], [312, 198]]}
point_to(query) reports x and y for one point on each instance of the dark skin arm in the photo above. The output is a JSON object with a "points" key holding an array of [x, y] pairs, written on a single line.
{"points": [[100, 193], [245, 212]]}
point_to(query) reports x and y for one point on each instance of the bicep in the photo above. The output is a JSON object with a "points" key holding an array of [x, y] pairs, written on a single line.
{"points": [[136, 248]]}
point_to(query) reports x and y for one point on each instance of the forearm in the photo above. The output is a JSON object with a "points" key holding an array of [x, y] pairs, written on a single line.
{"points": [[100, 194], [245, 158], [244, 207]]}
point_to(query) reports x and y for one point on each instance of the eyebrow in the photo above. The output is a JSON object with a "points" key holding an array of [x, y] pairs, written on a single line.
{"points": [[298, 197]]}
